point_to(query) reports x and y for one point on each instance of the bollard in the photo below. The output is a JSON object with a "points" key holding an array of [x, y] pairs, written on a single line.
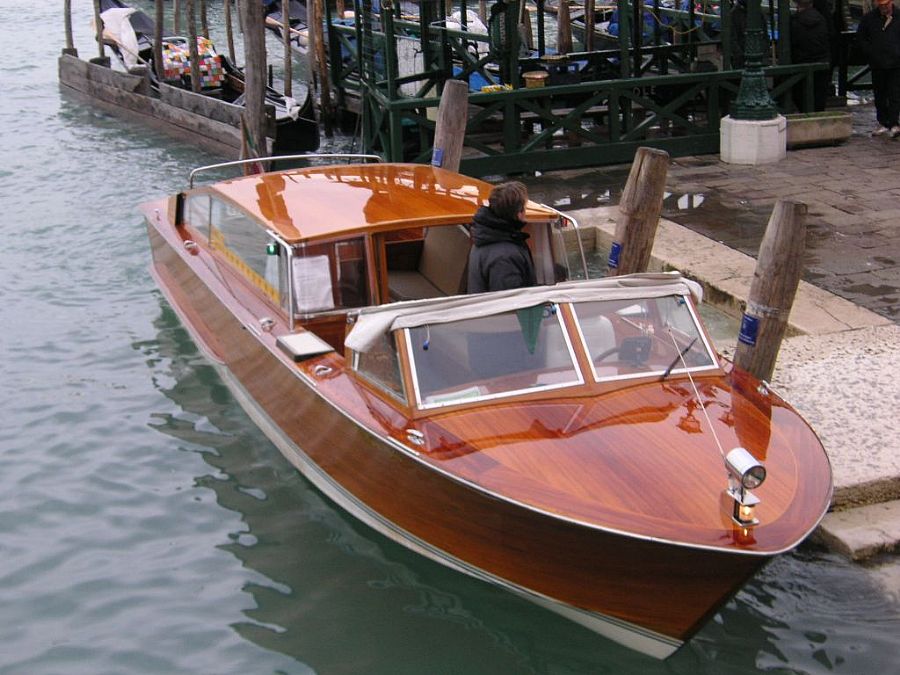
{"points": [[450, 127], [639, 211], [775, 282]]}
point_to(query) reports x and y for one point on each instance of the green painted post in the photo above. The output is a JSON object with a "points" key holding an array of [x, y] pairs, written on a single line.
{"points": [[624, 39], [753, 100], [390, 55]]}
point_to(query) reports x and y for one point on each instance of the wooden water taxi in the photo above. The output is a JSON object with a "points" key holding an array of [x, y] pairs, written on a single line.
{"points": [[580, 442]]}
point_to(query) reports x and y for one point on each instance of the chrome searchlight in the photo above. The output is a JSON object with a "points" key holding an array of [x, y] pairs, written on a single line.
{"points": [[745, 473], [745, 468]]}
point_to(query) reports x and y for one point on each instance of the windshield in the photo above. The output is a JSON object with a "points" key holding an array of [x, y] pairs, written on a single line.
{"points": [[475, 359], [636, 338]]}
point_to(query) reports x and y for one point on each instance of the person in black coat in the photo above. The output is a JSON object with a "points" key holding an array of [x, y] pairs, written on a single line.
{"points": [[810, 44], [500, 258], [878, 37]]}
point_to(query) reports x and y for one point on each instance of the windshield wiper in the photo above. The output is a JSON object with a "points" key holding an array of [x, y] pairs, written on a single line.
{"points": [[677, 358]]}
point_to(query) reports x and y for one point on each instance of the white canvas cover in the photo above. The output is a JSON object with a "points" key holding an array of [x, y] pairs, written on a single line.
{"points": [[375, 321], [117, 28]]}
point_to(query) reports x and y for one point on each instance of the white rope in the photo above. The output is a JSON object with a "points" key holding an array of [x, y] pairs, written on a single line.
{"points": [[697, 394]]}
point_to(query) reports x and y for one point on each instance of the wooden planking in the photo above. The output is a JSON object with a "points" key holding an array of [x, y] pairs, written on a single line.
{"points": [[122, 91], [669, 589], [666, 589]]}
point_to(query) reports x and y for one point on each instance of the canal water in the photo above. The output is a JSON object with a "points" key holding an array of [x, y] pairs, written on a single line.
{"points": [[146, 524]]}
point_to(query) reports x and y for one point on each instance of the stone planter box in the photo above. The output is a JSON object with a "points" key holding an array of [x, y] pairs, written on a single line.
{"points": [[819, 128]]}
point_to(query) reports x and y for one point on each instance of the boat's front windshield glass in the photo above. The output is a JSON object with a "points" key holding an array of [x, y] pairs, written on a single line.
{"points": [[636, 338], [504, 354]]}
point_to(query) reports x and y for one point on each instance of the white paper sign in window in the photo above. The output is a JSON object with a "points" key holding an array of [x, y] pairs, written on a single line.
{"points": [[312, 284]]}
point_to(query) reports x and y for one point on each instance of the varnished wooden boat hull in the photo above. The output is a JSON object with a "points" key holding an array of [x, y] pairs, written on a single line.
{"points": [[647, 594]]}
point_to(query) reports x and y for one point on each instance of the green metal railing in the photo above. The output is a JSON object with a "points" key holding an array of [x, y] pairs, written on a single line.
{"points": [[567, 125]]}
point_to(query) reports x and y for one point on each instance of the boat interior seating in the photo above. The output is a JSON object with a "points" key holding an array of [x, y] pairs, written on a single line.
{"points": [[440, 269]]}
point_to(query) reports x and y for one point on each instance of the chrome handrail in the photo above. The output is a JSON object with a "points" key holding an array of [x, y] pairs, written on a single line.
{"points": [[241, 162]]}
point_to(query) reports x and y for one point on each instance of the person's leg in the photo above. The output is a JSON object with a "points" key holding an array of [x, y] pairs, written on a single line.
{"points": [[821, 80], [880, 102], [892, 102]]}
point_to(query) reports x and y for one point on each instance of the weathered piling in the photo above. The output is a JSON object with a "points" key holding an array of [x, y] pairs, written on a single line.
{"points": [[158, 66], [639, 210], [589, 9], [176, 17], [229, 32], [450, 127], [286, 38], [98, 24], [204, 24], [192, 46], [318, 64], [775, 281], [69, 49], [563, 28], [254, 118]]}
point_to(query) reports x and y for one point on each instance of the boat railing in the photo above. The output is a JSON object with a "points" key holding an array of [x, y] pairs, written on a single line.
{"points": [[567, 219], [279, 158]]}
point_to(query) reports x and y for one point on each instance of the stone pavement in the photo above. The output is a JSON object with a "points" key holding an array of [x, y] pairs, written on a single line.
{"points": [[852, 192], [840, 365]]}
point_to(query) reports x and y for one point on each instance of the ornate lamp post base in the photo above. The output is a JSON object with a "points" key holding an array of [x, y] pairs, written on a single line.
{"points": [[752, 141]]}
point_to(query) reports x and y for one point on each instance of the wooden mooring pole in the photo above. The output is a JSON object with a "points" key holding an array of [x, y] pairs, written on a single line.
{"points": [[98, 24], [639, 211], [176, 17], [229, 32], [563, 28], [318, 65], [158, 66], [775, 282], [251, 16], [69, 49], [204, 24], [450, 127], [192, 46], [286, 38]]}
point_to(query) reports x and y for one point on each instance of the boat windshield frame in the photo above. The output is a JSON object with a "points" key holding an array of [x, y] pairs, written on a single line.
{"points": [[464, 380]]}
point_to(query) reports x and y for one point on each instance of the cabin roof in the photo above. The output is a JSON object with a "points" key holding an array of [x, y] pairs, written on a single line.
{"points": [[327, 201]]}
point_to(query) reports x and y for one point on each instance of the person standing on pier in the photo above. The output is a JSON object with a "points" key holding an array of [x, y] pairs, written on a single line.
{"points": [[500, 258], [878, 36], [810, 44]]}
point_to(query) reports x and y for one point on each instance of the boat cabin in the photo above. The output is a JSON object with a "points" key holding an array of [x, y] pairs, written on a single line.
{"points": [[376, 255], [322, 242]]}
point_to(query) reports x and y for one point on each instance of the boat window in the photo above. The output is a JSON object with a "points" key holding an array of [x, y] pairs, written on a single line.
{"points": [[381, 366], [330, 275], [242, 241], [636, 338], [196, 211], [549, 249], [504, 354]]}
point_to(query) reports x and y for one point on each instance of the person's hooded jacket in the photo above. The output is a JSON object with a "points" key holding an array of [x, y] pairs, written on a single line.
{"points": [[809, 37], [499, 259], [879, 40]]}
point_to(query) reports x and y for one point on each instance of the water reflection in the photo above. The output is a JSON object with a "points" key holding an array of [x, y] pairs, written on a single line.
{"points": [[337, 597]]}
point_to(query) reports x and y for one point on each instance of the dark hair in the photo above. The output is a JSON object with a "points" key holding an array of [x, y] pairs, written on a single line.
{"points": [[508, 199]]}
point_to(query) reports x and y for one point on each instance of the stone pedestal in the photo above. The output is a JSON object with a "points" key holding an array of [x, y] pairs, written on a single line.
{"points": [[752, 141]]}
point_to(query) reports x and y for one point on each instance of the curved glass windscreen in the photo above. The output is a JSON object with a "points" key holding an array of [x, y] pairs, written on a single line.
{"points": [[649, 336], [514, 352]]}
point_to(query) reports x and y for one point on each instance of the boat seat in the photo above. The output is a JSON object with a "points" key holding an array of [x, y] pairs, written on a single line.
{"points": [[441, 270]]}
